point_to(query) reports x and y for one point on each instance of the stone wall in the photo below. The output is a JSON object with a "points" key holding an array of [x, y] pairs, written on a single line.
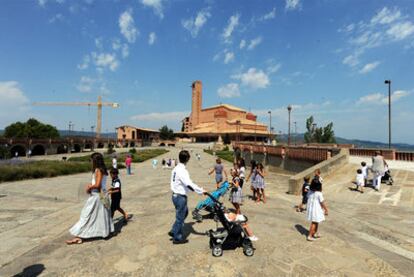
{"points": [[326, 167]]}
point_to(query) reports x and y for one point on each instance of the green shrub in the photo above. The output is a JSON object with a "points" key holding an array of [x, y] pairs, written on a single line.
{"points": [[132, 151]]}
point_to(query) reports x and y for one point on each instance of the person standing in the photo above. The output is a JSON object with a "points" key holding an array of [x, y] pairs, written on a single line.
{"points": [[316, 209], [218, 169], [378, 168], [114, 162], [180, 185], [242, 171], [128, 162], [95, 218]]}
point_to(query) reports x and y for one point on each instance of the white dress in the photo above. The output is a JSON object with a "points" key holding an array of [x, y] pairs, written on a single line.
{"points": [[314, 211], [95, 219]]}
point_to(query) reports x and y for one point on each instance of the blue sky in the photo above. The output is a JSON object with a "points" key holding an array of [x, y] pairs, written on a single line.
{"points": [[326, 58]]}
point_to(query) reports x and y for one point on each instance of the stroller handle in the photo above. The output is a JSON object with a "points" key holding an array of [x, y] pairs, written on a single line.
{"points": [[212, 198]]}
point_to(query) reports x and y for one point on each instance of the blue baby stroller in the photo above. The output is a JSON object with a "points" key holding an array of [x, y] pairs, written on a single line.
{"points": [[208, 203]]}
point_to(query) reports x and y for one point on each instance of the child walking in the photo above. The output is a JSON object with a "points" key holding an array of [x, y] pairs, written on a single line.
{"points": [[252, 177], [260, 184], [305, 190], [218, 170], [364, 169], [360, 181], [236, 191], [116, 194], [316, 209]]}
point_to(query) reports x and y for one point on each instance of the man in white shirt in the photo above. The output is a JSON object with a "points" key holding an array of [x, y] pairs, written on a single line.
{"points": [[180, 185], [114, 163]]}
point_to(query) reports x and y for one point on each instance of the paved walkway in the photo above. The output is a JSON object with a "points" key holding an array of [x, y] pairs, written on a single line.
{"points": [[366, 234]]}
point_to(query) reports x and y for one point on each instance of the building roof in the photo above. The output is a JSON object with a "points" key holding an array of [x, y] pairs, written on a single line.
{"points": [[139, 128], [230, 107]]}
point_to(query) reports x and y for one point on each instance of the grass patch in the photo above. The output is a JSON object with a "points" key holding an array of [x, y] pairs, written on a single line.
{"points": [[41, 169], [224, 154]]}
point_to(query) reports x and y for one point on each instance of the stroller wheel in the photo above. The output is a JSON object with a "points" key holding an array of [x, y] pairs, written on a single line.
{"points": [[217, 250], [248, 251]]}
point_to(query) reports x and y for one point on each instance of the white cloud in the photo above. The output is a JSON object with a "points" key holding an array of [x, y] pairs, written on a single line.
{"points": [[56, 17], [156, 5], [254, 42], [105, 60], [385, 16], [42, 3], [125, 50], [292, 5], [99, 43], [369, 67], [273, 68], [194, 25], [127, 26], [86, 84], [160, 117], [13, 102], [382, 99], [228, 57], [242, 44], [351, 60], [230, 90], [401, 30], [269, 15], [151, 38], [253, 78], [116, 44], [228, 30], [85, 62]]}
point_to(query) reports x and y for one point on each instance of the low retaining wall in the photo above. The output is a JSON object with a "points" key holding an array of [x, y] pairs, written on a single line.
{"points": [[326, 168]]}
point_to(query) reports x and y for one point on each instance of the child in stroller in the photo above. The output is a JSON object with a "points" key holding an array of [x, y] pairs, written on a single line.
{"points": [[207, 204], [234, 233], [387, 178]]}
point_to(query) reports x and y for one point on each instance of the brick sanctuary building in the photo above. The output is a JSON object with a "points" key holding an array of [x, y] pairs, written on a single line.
{"points": [[221, 121]]}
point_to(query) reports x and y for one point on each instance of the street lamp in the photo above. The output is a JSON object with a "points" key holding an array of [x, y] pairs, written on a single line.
{"points": [[289, 108], [389, 111], [270, 126], [296, 133]]}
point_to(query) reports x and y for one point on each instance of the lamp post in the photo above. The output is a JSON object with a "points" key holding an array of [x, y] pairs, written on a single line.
{"points": [[296, 133], [270, 126], [289, 108], [389, 111]]}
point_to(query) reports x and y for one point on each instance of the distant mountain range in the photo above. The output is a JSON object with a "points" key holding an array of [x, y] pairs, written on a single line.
{"points": [[298, 138], [358, 143]]}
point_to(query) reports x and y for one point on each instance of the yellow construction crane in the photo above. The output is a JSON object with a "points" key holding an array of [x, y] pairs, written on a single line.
{"points": [[99, 104]]}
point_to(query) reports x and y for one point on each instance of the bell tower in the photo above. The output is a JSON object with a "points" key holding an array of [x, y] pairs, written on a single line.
{"points": [[196, 103]]}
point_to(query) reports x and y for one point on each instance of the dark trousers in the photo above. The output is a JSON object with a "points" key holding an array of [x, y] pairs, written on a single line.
{"points": [[181, 212]]}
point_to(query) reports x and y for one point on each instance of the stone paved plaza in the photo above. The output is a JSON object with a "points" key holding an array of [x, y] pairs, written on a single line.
{"points": [[368, 234]]}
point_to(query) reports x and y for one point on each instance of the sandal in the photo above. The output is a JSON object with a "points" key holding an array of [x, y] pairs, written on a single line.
{"points": [[317, 236], [74, 241]]}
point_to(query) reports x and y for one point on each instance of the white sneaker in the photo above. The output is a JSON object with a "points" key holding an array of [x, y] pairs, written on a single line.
{"points": [[310, 239], [254, 238]]}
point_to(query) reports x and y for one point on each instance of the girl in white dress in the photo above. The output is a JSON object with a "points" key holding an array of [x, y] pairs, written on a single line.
{"points": [[316, 209]]}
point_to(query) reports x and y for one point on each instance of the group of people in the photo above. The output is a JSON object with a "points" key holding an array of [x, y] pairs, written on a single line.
{"points": [[379, 169], [168, 163], [97, 214]]}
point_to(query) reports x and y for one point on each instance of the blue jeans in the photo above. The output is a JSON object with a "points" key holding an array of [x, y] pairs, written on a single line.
{"points": [[128, 170], [181, 212]]}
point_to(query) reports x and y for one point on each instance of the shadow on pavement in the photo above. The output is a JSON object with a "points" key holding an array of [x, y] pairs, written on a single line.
{"points": [[31, 271], [188, 229], [302, 230]]}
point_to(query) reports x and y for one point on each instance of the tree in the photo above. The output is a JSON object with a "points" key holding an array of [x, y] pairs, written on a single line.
{"points": [[319, 135], [31, 129], [166, 133]]}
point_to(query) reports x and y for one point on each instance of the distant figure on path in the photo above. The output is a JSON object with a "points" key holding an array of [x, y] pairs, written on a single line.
{"points": [[236, 195], [260, 184], [305, 191], [16, 154], [114, 162], [128, 162], [154, 163], [29, 153], [218, 170], [378, 168], [364, 169], [180, 185], [95, 219], [116, 194], [252, 177], [316, 209]]}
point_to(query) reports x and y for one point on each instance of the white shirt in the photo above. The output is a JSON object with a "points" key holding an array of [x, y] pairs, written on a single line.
{"points": [[365, 171], [181, 182], [114, 163], [360, 179], [242, 172]]}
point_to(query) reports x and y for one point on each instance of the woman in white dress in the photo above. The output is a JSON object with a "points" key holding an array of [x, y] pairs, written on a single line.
{"points": [[316, 209], [95, 218]]}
